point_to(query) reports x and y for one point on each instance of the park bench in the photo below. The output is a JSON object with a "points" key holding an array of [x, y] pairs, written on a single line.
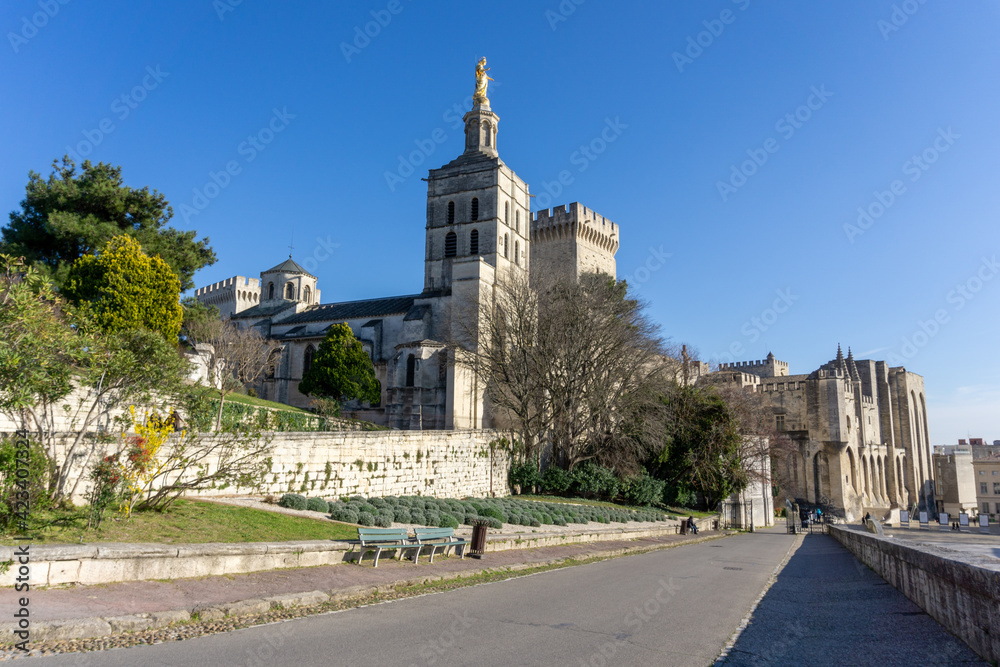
{"points": [[381, 539], [437, 537]]}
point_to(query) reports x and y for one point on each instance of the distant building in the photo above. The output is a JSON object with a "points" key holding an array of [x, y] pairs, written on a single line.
{"points": [[987, 476], [859, 428], [955, 480]]}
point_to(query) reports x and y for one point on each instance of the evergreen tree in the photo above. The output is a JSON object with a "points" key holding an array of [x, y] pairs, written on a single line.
{"points": [[124, 289], [341, 370], [73, 214]]}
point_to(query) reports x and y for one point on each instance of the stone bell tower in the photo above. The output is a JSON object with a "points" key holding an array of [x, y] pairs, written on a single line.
{"points": [[477, 207]]}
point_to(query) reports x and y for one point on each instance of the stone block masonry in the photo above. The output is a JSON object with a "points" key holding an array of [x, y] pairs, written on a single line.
{"points": [[443, 464], [960, 591]]}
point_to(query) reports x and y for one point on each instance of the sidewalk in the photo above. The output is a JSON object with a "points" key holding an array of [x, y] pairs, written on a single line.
{"points": [[100, 610]]}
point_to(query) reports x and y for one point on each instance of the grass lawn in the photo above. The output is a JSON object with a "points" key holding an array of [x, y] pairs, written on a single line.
{"points": [[601, 503], [253, 400], [191, 521]]}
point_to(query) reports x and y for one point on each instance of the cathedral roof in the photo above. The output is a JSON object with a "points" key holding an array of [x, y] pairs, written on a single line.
{"points": [[289, 266], [352, 310], [261, 310]]}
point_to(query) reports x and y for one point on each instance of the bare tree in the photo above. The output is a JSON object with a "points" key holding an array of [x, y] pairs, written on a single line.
{"points": [[235, 357], [571, 363]]}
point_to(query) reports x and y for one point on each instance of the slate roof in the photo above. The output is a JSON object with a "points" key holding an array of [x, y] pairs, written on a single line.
{"points": [[352, 310], [264, 311], [289, 266]]}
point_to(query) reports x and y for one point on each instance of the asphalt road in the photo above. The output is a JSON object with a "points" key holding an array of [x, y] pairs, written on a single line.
{"points": [[671, 607]]}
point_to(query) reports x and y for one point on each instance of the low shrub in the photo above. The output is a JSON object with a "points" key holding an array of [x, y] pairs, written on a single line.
{"points": [[401, 514], [493, 512], [317, 505], [491, 522], [643, 489], [344, 514], [366, 519], [382, 521], [524, 475], [556, 480], [293, 501], [417, 516], [448, 521]]}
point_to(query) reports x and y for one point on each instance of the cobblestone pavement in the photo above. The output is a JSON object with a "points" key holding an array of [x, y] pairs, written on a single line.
{"points": [[827, 608]]}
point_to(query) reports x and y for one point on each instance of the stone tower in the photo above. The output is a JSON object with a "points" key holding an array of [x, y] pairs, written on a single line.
{"points": [[477, 207], [288, 282], [570, 240]]}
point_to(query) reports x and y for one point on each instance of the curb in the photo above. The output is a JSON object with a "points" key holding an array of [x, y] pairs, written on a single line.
{"points": [[105, 626]]}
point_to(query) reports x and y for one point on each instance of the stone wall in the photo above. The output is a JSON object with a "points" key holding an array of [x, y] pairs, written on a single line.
{"points": [[444, 464], [960, 591]]}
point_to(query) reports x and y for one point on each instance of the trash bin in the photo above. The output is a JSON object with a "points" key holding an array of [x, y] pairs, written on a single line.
{"points": [[684, 527], [478, 546]]}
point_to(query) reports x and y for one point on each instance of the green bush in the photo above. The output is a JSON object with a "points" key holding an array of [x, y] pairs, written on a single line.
{"points": [[491, 522], [33, 480], [368, 507], [524, 474], [382, 521], [556, 480], [448, 521], [595, 481], [432, 518], [344, 514], [643, 489], [317, 505], [679, 496], [493, 512], [293, 501], [366, 519], [417, 517], [401, 514]]}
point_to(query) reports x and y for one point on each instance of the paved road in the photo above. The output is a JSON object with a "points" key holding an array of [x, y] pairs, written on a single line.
{"points": [[827, 608], [672, 607]]}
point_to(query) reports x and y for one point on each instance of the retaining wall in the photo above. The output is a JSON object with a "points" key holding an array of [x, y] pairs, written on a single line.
{"points": [[61, 565], [960, 591]]}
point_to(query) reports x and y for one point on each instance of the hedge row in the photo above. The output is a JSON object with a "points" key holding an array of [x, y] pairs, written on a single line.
{"points": [[450, 513]]}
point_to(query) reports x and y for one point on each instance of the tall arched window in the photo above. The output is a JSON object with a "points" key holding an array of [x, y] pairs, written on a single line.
{"points": [[517, 252], [475, 208], [306, 293], [474, 242], [451, 212], [270, 290], [506, 211], [307, 359], [505, 245], [450, 245], [289, 291], [517, 221], [411, 369], [489, 135]]}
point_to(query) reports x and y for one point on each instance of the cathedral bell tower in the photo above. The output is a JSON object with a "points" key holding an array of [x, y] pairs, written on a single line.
{"points": [[477, 208]]}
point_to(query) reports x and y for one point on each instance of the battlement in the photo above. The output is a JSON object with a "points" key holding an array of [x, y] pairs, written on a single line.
{"points": [[252, 284], [575, 221], [769, 367]]}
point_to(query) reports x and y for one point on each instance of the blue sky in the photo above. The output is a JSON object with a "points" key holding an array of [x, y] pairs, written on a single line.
{"points": [[749, 139]]}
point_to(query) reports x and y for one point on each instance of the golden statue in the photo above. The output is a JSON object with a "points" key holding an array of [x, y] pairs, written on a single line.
{"points": [[482, 80]]}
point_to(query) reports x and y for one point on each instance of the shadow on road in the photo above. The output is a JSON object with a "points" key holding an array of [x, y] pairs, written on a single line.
{"points": [[828, 608]]}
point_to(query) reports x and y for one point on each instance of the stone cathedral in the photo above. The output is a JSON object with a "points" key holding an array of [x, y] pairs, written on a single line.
{"points": [[479, 225]]}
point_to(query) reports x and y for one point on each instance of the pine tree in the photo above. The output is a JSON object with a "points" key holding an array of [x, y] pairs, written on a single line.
{"points": [[341, 370]]}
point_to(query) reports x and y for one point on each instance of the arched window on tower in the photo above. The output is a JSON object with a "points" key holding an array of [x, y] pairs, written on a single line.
{"points": [[289, 291], [474, 242], [505, 245], [450, 245], [307, 359], [475, 208], [489, 135], [411, 369], [517, 252], [451, 212], [306, 293], [517, 221], [506, 211], [270, 290]]}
